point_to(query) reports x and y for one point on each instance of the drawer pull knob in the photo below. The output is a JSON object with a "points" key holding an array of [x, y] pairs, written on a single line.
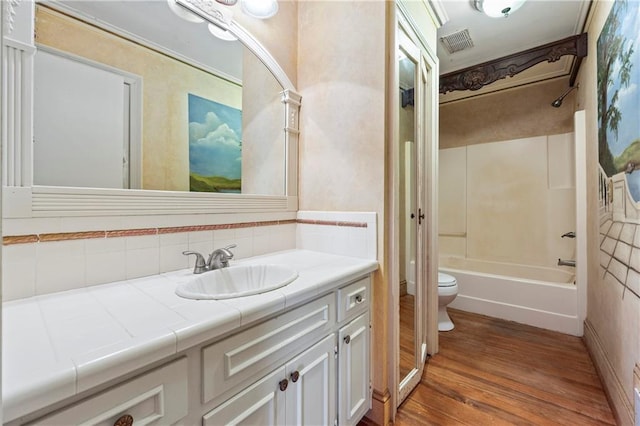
{"points": [[283, 384], [347, 339], [295, 376], [359, 298], [124, 420]]}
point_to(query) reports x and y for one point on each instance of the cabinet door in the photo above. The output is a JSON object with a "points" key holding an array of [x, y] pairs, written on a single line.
{"points": [[354, 398], [262, 403], [311, 395]]}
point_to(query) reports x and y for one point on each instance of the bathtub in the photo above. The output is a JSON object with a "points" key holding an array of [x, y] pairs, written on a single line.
{"points": [[538, 296]]}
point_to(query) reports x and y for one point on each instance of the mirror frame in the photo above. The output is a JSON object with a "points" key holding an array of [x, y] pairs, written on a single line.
{"points": [[22, 199]]}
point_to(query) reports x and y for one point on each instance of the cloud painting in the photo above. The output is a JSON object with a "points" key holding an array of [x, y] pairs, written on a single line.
{"points": [[215, 146]]}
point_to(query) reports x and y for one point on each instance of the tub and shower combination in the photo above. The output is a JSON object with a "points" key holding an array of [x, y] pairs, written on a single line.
{"points": [[538, 296]]}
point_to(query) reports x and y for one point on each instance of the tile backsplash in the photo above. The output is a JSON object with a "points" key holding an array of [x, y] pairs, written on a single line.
{"points": [[36, 264]]}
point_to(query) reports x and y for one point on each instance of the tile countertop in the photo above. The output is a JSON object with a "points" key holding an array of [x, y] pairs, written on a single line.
{"points": [[57, 345]]}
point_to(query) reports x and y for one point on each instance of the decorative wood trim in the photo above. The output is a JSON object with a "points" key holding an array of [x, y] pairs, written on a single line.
{"points": [[332, 223], [622, 408], [118, 233], [478, 76], [61, 201], [19, 239], [67, 236]]}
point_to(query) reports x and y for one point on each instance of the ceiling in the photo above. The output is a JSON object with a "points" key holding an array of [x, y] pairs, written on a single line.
{"points": [[536, 23]]}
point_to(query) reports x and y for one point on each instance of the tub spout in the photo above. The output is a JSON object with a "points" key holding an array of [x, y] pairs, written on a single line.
{"points": [[562, 262]]}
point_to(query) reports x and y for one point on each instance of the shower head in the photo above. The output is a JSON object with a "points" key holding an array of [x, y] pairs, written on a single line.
{"points": [[558, 101]]}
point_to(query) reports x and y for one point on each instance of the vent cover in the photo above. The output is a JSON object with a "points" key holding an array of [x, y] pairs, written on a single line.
{"points": [[457, 41]]}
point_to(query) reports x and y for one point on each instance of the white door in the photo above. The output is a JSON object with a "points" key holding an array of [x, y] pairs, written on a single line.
{"points": [[80, 137], [262, 403], [311, 393], [354, 398]]}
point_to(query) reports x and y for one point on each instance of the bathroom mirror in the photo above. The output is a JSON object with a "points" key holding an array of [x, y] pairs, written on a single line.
{"points": [[413, 259], [407, 132], [179, 111], [184, 107]]}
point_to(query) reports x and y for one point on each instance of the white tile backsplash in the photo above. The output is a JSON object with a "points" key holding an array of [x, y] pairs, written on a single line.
{"points": [[344, 239], [18, 268], [47, 267]]}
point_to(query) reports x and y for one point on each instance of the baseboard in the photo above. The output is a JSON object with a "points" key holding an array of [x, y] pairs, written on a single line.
{"points": [[380, 413], [538, 318], [620, 405]]}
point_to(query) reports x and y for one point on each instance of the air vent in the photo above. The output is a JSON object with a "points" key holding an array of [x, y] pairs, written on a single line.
{"points": [[457, 41]]}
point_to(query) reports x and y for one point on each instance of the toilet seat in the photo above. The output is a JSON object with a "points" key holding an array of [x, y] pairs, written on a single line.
{"points": [[445, 280]]}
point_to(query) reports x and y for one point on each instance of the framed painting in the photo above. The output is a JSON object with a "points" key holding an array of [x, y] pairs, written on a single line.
{"points": [[215, 146]]}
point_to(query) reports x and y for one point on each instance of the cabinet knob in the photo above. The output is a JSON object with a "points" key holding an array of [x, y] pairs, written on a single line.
{"points": [[295, 376], [283, 384], [347, 339], [359, 298], [124, 420]]}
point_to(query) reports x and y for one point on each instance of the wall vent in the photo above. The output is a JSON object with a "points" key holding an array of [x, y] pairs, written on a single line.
{"points": [[458, 41]]}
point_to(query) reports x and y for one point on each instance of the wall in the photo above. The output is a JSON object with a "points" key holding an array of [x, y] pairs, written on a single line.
{"points": [[520, 112], [509, 201], [342, 80], [612, 328]]}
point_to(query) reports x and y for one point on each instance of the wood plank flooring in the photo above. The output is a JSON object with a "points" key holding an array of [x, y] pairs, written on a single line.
{"points": [[495, 372]]}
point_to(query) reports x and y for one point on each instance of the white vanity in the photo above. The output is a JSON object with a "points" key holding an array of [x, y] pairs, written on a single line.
{"points": [[134, 350]]}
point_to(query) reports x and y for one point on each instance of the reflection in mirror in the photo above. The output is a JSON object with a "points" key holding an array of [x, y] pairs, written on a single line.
{"points": [[120, 102], [407, 206]]}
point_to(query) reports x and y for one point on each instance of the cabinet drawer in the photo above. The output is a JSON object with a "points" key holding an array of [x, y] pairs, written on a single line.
{"points": [[159, 397], [253, 352], [354, 298]]}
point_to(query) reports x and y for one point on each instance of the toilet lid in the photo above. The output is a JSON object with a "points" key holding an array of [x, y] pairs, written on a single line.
{"points": [[445, 280]]}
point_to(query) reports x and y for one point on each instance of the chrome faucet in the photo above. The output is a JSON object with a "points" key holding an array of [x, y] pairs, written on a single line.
{"points": [[562, 262], [219, 258]]}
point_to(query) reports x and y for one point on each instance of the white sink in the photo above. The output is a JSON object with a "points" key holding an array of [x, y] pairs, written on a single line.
{"points": [[236, 281]]}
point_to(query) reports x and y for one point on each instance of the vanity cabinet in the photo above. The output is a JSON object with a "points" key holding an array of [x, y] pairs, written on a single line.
{"points": [[328, 383], [157, 397], [300, 392], [308, 365]]}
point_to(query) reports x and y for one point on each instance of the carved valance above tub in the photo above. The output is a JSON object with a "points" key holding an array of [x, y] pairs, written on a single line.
{"points": [[478, 76]]}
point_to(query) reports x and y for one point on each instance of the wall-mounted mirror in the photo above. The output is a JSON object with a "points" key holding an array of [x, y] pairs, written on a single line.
{"points": [[146, 108], [138, 111], [413, 165]]}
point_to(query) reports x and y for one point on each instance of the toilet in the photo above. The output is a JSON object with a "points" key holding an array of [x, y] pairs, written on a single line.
{"points": [[447, 291]]}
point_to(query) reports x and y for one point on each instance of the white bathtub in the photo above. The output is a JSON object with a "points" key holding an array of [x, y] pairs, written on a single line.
{"points": [[538, 296]]}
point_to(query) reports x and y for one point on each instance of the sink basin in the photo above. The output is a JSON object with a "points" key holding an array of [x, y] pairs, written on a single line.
{"points": [[236, 281]]}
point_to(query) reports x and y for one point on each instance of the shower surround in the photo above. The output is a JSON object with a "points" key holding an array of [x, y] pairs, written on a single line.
{"points": [[509, 203]]}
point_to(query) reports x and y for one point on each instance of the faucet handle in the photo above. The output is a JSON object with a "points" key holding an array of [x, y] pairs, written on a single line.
{"points": [[201, 265], [230, 246]]}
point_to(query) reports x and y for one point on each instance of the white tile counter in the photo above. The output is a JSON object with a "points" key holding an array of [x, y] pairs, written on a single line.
{"points": [[56, 346]]}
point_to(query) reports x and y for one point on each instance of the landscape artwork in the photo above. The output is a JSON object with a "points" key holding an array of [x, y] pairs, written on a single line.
{"points": [[618, 94], [215, 146]]}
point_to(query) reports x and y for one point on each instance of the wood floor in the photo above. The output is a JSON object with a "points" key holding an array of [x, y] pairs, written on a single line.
{"points": [[495, 372]]}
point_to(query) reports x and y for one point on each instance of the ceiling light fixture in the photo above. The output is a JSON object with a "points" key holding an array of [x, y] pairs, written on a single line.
{"points": [[498, 8], [261, 9]]}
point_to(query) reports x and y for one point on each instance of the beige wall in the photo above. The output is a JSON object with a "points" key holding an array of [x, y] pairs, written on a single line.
{"points": [[613, 314], [342, 79], [508, 114]]}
